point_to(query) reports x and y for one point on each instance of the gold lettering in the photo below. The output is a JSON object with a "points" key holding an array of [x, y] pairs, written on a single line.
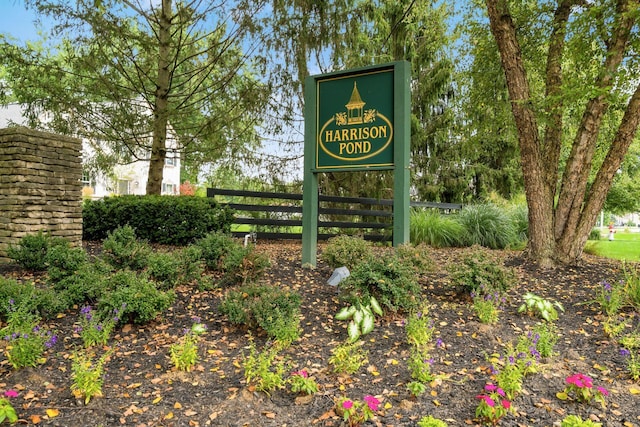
{"points": [[345, 135], [328, 136]]}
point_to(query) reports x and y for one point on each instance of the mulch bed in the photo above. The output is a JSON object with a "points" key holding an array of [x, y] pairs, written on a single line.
{"points": [[142, 388]]}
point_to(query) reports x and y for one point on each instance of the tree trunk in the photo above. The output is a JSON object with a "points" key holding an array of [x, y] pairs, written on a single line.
{"points": [[541, 244], [558, 234], [161, 104]]}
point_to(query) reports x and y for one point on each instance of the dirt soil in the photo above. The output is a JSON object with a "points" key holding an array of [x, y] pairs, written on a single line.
{"points": [[141, 387]]}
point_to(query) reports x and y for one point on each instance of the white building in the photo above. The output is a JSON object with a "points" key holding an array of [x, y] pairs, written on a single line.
{"points": [[123, 179]]}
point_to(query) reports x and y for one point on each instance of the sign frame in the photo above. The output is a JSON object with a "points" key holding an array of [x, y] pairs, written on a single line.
{"points": [[397, 75]]}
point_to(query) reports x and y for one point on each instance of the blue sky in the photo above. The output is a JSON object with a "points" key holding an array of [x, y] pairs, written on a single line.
{"points": [[17, 21]]}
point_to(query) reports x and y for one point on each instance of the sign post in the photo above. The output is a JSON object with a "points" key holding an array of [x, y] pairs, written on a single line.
{"points": [[357, 120]]}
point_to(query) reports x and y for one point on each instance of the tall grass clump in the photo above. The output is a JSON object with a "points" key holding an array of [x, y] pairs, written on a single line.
{"points": [[432, 228], [487, 225], [519, 216]]}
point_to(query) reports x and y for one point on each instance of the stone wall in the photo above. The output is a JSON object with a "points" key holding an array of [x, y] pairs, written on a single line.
{"points": [[40, 186]]}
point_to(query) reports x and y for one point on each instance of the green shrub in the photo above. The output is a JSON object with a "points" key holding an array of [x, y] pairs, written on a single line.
{"points": [[417, 256], [14, 291], [86, 285], [191, 264], [480, 270], [346, 251], [135, 297], [122, 249], [430, 227], [214, 247], [390, 280], [158, 219], [45, 302], [31, 252], [242, 265], [274, 310], [486, 225], [63, 261], [164, 269]]}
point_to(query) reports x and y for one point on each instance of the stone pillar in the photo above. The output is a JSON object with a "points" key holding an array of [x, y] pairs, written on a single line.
{"points": [[40, 186]]}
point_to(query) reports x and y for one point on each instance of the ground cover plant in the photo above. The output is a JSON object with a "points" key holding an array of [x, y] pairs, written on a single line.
{"points": [[141, 384]]}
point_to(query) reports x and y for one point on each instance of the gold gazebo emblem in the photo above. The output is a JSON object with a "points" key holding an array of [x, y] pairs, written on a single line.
{"points": [[355, 114], [355, 107]]}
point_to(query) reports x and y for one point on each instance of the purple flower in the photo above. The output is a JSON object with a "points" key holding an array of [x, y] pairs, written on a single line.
{"points": [[439, 343], [606, 286], [52, 341], [624, 352]]}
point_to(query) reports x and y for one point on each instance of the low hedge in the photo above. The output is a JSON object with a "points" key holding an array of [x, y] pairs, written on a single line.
{"points": [[166, 220]]}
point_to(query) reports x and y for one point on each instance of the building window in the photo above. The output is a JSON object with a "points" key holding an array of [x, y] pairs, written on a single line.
{"points": [[86, 179], [124, 187], [169, 189], [171, 161]]}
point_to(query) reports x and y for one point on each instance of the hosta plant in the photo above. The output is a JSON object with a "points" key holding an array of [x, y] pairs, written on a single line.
{"points": [[540, 307], [361, 316]]}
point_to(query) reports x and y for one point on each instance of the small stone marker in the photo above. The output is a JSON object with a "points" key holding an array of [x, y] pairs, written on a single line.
{"points": [[338, 275]]}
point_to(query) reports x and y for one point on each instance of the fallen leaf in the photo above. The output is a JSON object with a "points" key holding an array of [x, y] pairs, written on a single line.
{"points": [[52, 413], [35, 419], [270, 415], [190, 413], [177, 405]]}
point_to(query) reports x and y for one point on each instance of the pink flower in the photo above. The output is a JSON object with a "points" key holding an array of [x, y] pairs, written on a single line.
{"points": [[303, 373], [506, 404], [11, 393], [580, 380], [604, 391], [347, 404], [490, 387], [372, 402], [500, 391], [489, 401]]}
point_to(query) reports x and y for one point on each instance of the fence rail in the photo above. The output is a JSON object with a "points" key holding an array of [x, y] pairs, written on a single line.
{"points": [[372, 224]]}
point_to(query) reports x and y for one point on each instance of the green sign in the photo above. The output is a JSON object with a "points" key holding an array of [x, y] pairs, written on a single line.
{"points": [[355, 121]]}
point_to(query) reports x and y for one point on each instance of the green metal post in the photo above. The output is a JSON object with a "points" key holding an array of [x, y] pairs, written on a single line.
{"points": [[402, 119], [310, 180]]}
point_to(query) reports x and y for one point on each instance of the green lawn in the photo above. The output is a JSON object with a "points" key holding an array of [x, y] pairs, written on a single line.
{"points": [[625, 246]]}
